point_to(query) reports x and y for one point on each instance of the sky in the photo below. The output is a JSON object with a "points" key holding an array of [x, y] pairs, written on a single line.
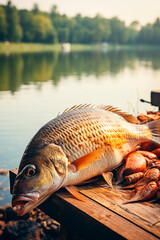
{"points": [[145, 11]]}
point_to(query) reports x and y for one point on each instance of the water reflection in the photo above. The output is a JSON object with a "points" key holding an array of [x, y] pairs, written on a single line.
{"points": [[16, 70]]}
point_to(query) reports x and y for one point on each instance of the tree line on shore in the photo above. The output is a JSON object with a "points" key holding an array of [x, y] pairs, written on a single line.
{"points": [[52, 27]]}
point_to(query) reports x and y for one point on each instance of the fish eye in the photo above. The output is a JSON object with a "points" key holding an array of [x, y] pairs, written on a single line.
{"points": [[30, 171]]}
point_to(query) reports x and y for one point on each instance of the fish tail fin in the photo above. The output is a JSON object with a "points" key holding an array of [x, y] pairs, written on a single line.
{"points": [[154, 127]]}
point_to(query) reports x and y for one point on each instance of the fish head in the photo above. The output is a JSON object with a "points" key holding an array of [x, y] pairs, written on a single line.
{"points": [[39, 175]]}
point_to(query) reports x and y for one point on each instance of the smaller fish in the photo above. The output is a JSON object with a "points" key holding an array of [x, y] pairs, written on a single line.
{"points": [[132, 178], [143, 193], [156, 164], [151, 175]]}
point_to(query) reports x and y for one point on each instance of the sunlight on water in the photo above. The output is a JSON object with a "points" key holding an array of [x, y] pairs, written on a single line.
{"points": [[34, 88]]}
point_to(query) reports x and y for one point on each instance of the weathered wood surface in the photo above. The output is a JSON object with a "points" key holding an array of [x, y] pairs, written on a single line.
{"points": [[12, 176], [143, 214], [103, 214]]}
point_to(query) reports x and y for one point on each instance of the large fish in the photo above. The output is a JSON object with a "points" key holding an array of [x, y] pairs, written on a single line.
{"points": [[81, 143]]}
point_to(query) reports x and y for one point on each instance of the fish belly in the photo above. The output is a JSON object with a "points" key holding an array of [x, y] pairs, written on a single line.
{"points": [[107, 162]]}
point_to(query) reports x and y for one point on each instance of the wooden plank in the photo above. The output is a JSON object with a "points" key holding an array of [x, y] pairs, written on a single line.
{"points": [[12, 176], [104, 217], [66, 235], [145, 215], [90, 220]]}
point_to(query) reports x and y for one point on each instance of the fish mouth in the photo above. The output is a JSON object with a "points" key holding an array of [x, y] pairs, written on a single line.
{"points": [[28, 201], [25, 202]]}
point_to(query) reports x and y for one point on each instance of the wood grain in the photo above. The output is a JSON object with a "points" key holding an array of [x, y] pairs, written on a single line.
{"points": [[103, 215], [145, 215], [90, 220]]}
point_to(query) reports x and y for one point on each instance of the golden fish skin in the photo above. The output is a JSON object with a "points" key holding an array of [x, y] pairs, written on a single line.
{"points": [[81, 131], [77, 145]]}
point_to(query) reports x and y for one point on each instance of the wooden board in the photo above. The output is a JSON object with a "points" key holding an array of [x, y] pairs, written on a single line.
{"points": [[103, 214], [90, 220], [144, 214]]}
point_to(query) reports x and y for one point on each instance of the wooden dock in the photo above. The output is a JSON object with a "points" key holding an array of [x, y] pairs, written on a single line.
{"points": [[103, 215]]}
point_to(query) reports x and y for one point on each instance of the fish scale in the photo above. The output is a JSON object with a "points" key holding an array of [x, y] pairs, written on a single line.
{"points": [[90, 122]]}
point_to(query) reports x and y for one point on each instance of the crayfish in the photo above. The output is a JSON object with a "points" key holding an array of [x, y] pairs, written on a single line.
{"points": [[140, 170]]}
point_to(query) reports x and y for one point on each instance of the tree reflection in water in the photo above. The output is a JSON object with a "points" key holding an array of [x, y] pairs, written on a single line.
{"points": [[16, 69]]}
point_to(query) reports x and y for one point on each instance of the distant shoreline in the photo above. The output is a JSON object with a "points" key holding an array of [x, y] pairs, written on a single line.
{"points": [[39, 47]]}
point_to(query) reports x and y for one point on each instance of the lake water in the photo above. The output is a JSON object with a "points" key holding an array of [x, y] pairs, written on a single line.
{"points": [[34, 88]]}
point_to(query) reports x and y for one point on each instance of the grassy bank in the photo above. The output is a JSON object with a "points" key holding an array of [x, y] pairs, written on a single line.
{"points": [[27, 47], [37, 47]]}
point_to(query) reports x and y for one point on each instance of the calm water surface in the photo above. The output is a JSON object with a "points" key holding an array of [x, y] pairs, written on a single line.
{"points": [[34, 88]]}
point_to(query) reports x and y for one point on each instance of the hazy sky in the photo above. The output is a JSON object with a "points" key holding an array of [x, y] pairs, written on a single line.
{"points": [[128, 10]]}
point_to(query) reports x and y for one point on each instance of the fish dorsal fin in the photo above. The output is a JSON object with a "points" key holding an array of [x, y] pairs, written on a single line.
{"points": [[130, 118], [80, 106]]}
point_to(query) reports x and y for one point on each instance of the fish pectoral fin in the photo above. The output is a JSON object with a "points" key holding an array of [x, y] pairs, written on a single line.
{"points": [[74, 192], [84, 161], [108, 176]]}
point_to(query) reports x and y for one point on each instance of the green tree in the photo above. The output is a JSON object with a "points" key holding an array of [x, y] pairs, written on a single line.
{"points": [[14, 30], [135, 25], [90, 30], [156, 32], [43, 29], [77, 32], [26, 22], [100, 29], [63, 35], [61, 23], [119, 33], [3, 24], [38, 26], [35, 9], [150, 34], [54, 12], [133, 32], [146, 34], [63, 27]]}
